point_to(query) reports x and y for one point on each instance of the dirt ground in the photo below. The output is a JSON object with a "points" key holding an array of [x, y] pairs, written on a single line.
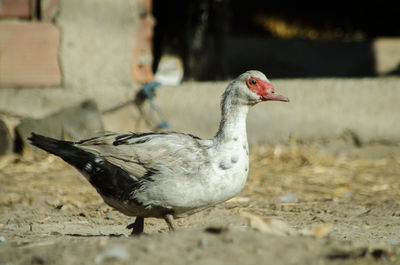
{"points": [[299, 206]]}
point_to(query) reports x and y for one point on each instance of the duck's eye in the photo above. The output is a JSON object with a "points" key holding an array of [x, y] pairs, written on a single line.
{"points": [[253, 82]]}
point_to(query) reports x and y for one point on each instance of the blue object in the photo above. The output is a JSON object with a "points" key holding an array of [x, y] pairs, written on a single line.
{"points": [[148, 92], [149, 89]]}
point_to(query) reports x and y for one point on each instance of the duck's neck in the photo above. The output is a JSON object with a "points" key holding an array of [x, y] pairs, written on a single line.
{"points": [[232, 127]]}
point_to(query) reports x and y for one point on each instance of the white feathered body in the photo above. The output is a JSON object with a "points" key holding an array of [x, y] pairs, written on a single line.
{"points": [[178, 171]]}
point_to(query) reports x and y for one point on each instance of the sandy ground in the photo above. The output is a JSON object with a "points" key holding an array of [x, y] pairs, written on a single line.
{"points": [[299, 206]]}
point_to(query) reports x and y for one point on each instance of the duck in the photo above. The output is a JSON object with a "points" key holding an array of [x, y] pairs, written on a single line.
{"points": [[170, 175]]}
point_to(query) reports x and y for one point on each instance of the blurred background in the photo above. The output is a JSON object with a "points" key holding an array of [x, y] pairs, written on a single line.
{"points": [[69, 68]]}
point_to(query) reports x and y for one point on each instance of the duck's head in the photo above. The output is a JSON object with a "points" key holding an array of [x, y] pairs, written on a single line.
{"points": [[253, 87]]}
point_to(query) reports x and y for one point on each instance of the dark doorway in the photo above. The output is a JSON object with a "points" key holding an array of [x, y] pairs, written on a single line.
{"points": [[220, 39]]}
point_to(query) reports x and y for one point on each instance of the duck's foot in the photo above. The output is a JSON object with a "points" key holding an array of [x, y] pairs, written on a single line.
{"points": [[169, 220], [137, 226]]}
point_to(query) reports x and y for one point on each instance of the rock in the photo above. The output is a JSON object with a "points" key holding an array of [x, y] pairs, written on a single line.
{"points": [[6, 143], [289, 198], [114, 254], [73, 123]]}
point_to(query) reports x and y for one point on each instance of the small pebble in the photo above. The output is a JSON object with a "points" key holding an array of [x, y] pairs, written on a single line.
{"points": [[288, 198], [113, 254], [3, 239]]}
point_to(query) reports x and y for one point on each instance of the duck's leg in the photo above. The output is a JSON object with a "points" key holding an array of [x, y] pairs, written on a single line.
{"points": [[137, 226], [169, 220]]}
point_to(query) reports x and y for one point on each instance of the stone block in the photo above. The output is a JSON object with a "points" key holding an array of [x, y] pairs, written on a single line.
{"points": [[48, 9], [74, 123], [6, 143], [29, 54], [387, 56]]}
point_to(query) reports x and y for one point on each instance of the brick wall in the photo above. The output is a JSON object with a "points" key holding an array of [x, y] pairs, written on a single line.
{"points": [[15, 8], [29, 43]]}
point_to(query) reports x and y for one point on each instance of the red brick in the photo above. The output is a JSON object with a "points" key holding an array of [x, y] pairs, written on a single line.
{"points": [[15, 8], [29, 54]]}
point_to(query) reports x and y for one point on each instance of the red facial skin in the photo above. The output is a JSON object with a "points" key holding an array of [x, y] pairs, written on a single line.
{"points": [[264, 89]]}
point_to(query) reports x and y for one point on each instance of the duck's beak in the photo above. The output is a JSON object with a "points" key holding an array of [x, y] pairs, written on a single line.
{"points": [[267, 92], [275, 97]]}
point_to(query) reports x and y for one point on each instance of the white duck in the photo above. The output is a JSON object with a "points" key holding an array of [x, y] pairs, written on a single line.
{"points": [[169, 174]]}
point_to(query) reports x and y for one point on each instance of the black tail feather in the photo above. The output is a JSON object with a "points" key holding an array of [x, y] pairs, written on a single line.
{"points": [[109, 179], [56, 147]]}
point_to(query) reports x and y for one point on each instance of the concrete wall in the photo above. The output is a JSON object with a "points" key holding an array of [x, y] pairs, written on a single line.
{"points": [[96, 48]]}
